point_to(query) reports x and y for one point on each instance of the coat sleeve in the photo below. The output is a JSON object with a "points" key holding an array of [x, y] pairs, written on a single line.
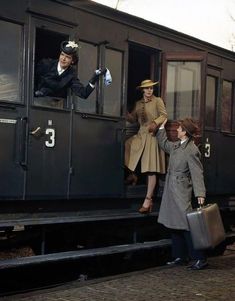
{"points": [[43, 67], [196, 172], [161, 111], [80, 90], [164, 143]]}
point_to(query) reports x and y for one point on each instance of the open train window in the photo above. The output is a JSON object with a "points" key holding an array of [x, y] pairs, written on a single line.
{"points": [[10, 62], [47, 46]]}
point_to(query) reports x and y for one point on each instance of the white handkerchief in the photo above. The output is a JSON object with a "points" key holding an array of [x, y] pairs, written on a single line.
{"points": [[107, 78]]}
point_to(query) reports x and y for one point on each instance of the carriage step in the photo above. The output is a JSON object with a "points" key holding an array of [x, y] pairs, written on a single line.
{"points": [[20, 220], [81, 254]]}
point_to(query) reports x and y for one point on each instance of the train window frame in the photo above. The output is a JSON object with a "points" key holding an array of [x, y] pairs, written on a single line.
{"points": [[227, 109], [185, 57], [47, 101], [19, 64], [109, 90], [214, 101], [182, 72], [65, 32], [91, 104], [146, 59]]}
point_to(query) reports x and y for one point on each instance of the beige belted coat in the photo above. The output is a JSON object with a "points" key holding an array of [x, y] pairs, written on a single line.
{"points": [[143, 146], [184, 175]]}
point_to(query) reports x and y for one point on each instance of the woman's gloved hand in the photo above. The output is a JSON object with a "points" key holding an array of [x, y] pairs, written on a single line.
{"points": [[153, 127], [96, 75]]}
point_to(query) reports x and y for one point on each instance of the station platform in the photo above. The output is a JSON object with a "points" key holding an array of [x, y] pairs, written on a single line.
{"points": [[160, 283]]}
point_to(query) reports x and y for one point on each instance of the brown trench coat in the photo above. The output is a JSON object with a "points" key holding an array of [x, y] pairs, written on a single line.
{"points": [[184, 175], [144, 145]]}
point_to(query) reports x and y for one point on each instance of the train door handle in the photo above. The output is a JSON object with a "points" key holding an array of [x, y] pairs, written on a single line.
{"points": [[22, 142], [36, 132]]}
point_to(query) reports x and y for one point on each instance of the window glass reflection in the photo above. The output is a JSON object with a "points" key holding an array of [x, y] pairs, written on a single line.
{"points": [[10, 58], [211, 88], [112, 93], [86, 66], [226, 120], [183, 89]]}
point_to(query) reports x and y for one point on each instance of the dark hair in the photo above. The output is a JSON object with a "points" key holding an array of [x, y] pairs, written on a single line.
{"points": [[75, 58], [70, 48]]}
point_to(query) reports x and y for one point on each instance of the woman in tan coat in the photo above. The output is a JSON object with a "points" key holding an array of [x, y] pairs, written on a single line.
{"points": [[150, 113]]}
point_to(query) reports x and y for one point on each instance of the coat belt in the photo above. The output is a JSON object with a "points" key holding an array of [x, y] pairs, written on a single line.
{"points": [[179, 173]]}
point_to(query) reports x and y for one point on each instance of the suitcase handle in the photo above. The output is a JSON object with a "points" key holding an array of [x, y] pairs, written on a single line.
{"points": [[204, 206]]}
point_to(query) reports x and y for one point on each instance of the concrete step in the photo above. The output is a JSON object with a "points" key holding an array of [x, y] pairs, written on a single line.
{"points": [[81, 254]]}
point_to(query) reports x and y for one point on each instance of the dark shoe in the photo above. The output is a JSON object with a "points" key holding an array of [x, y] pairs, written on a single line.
{"points": [[199, 265], [177, 261]]}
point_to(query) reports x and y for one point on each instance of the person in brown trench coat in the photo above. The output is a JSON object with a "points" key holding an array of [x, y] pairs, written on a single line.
{"points": [[150, 112], [184, 176]]}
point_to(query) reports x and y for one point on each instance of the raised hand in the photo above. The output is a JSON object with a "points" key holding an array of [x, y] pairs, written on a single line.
{"points": [[96, 75], [153, 127]]}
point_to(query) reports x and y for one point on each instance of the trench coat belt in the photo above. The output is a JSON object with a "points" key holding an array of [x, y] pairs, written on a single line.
{"points": [[179, 174]]}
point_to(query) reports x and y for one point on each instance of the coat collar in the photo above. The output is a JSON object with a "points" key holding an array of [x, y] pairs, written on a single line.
{"points": [[183, 145], [152, 98], [66, 71]]}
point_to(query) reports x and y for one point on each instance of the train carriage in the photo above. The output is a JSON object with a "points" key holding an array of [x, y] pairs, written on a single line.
{"points": [[68, 154]]}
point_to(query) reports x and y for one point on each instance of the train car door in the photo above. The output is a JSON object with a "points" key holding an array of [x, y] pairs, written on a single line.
{"points": [[12, 111], [49, 124], [219, 131], [211, 133], [183, 89], [97, 132], [226, 142]]}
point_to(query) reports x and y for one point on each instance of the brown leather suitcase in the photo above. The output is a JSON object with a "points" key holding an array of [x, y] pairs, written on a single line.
{"points": [[206, 226]]}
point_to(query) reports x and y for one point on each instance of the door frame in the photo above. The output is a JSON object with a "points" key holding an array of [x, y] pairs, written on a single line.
{"points": [[66, 30]]}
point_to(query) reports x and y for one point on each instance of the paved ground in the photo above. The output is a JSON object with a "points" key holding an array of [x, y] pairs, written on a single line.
{"points": [[161, 283]]}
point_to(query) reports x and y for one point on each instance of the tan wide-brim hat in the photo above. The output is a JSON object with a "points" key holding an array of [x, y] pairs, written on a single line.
{"points": [[147, 83]]}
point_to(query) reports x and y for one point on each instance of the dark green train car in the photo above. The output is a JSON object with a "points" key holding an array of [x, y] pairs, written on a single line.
{"points": [[67, 155]]}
